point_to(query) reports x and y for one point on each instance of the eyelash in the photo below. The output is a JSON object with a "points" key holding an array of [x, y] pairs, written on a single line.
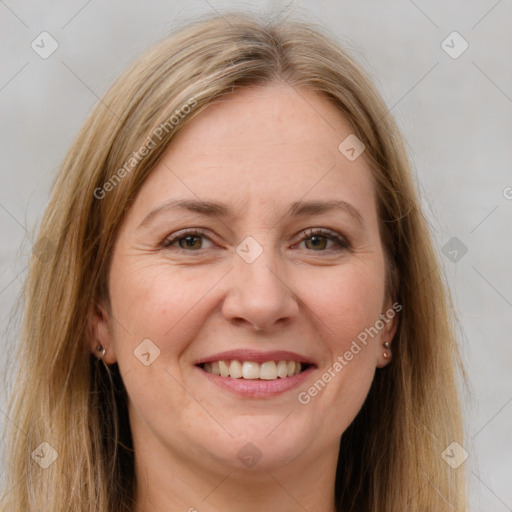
{"points": [[306, 234]]}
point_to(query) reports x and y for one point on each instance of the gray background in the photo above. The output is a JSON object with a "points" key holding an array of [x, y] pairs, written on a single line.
{"points": [[455, 115]]}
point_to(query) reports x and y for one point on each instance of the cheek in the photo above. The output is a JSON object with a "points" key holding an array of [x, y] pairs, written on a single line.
{"points": [[151, 300], [345, 305], [347, 302]]}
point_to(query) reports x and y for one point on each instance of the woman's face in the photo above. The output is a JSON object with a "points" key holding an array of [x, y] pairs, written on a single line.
{"points": [[255, 239]]}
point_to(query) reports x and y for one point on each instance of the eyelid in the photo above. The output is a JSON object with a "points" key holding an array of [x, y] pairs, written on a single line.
{"points": [[343, 243], [174, 237], [326, 233]]}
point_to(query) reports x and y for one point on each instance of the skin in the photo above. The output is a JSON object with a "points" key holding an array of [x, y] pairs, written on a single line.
{"points": [[258, 152]]}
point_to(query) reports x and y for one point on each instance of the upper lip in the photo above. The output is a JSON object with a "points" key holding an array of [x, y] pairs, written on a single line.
{"points": [[256, 356]]}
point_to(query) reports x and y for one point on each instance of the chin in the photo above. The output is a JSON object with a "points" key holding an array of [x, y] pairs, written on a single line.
{"points": [[259, 444]]}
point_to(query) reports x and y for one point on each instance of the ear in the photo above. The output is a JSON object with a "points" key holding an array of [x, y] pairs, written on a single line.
{"points": [[390, 318], [100, 333]]}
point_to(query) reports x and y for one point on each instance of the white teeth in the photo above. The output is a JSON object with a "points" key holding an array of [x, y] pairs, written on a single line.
{"points": [[282, 369], [250, 370], [224, 369], [215, 368], [269, 370], [235, 370]]}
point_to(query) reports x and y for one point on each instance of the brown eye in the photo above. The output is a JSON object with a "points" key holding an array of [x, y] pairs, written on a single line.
{"points": [[190, 242], [187, 240], [318, 240]]}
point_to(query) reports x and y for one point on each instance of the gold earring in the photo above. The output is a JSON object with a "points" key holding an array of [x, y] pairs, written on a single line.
{"points": [[387, 353]]}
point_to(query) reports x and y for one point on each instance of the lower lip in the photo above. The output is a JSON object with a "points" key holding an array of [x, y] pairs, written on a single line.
{"points": [[257, 388]]}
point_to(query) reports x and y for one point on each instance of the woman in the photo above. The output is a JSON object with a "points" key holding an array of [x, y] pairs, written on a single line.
{"points": [[240, 307]]}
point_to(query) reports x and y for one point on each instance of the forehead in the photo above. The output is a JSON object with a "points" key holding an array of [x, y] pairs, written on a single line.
{"points": [[263, 147]]}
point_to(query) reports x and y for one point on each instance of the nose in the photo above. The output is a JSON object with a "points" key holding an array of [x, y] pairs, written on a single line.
{"points": [[259, 295]]}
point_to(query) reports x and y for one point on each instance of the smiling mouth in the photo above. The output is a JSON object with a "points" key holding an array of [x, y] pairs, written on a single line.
{"points": [[250, 370]]}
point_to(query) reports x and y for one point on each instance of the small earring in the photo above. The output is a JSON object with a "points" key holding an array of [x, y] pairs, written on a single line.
{"points": [[101, 349], [387, 353]]}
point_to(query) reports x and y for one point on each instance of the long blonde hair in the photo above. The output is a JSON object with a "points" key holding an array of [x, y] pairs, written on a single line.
{"points": [[390, 456]]}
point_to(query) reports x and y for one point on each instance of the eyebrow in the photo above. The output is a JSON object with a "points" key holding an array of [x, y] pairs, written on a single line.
{"points": [[216, 209]]}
